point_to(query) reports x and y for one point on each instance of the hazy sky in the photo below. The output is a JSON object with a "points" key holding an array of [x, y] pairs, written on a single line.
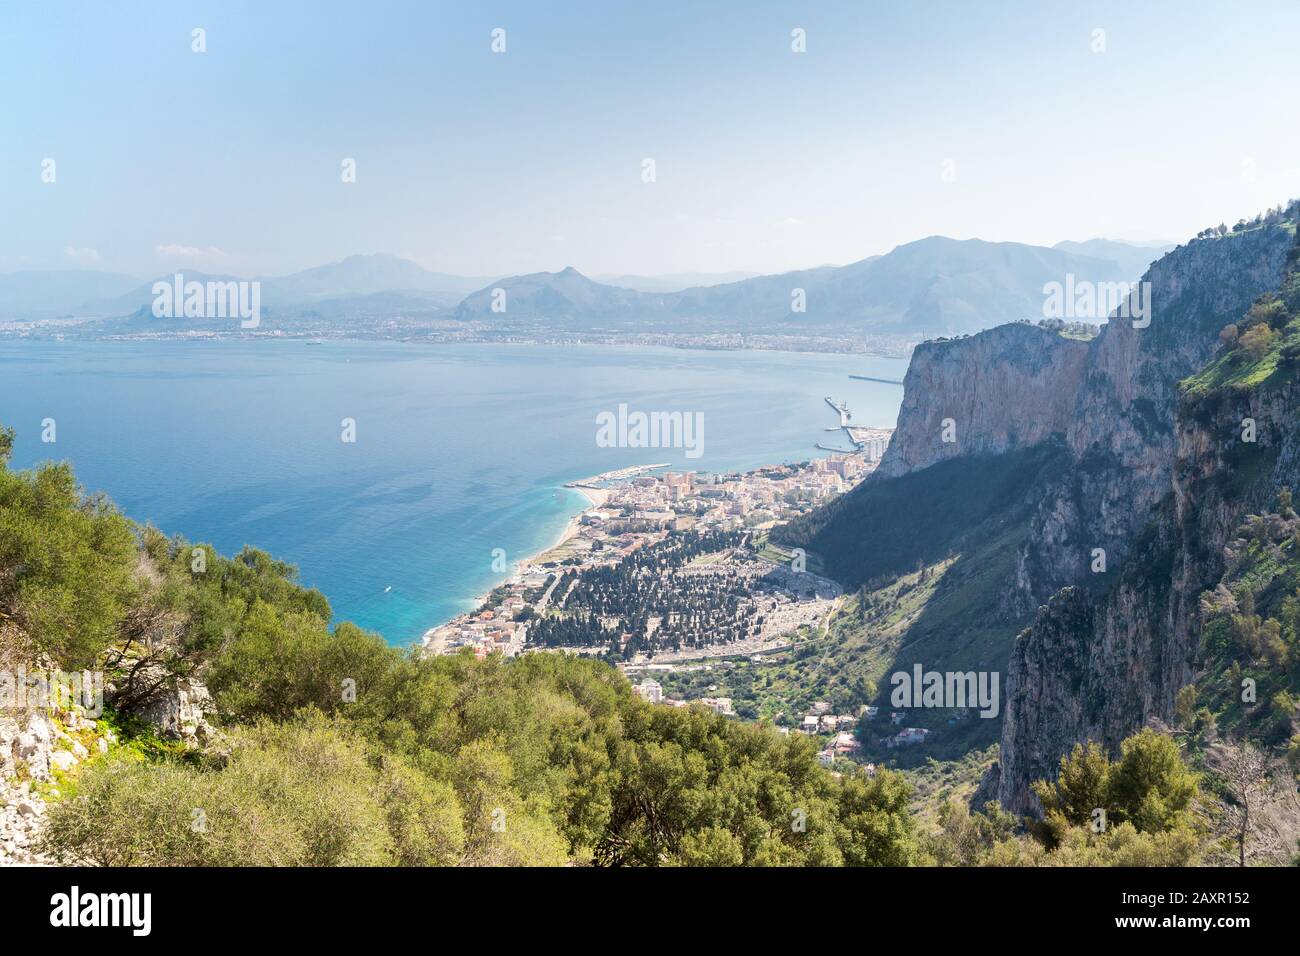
{"points": [[766, 160]]}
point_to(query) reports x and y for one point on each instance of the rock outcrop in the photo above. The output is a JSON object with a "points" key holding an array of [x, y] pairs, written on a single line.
{"points": [[1153, 489], [37, 746], [41, 744], [1122, 427], [1099, 666], [180, 711], [1009, 387]]}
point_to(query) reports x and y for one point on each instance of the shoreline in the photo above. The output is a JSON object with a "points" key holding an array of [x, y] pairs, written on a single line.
{"points": [[11, 331], [501, 622], [595, 499]]}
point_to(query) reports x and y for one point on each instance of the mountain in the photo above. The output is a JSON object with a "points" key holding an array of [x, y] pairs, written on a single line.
{"points": [[57, 292], [1166, 475], [1132, 257], [566, 299], [935, 286], [941, 286], [360, 285], [673, 282], [366, 275], [1057, 510], [138, 300]]}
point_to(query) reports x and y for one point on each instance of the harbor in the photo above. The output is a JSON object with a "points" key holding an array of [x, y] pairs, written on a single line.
{"points": [[864, 440]]}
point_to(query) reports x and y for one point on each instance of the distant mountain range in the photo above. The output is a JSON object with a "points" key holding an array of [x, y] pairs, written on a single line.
{"points": [[57, 292], [360, 284], [935, 286], [673, 281], [1133, 257]]}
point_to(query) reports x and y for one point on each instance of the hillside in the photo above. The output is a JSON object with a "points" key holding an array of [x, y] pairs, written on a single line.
{"points": [[305, 744], [1099, 665], [1135, 486], [239, 728]]}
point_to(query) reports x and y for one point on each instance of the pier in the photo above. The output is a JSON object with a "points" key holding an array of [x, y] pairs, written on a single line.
{"points": [[843, 409], [883, 381], [598, 481]]}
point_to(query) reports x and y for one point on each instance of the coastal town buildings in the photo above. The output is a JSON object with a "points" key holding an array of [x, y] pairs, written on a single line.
{"points": [[649, 690], [649, 507]]}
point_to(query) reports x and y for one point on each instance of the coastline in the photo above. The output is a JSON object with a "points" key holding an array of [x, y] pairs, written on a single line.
{"points": [[886, 347], [595, 499], [647, 511]]}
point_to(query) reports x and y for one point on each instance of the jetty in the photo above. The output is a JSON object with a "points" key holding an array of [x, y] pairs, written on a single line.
{"points": [[843, 409], [597, 481], [869, 378]]}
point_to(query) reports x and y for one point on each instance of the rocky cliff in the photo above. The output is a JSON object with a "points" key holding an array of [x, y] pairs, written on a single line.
{"points": [[1010, 387], [1097, 666], [1121, 434], [1124, 538], [43, 745], [37, 748], [1112, 399], [1170, 487]]}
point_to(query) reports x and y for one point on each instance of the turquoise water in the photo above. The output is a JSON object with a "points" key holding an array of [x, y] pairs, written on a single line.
{"points": [[459, 449]]}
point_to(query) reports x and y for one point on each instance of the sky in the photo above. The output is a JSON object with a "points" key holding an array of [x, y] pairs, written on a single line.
{"points": [[1000, 120]]}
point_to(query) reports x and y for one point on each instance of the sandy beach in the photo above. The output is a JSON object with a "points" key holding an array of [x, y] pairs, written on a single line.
{"points": [[596, 497]]}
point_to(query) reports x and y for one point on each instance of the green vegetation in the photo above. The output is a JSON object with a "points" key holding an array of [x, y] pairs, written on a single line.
{"points": [[1149, 788], [1137, 811], [336, 749], [887, 528], [941, 612], [76, 558], [1262, 350], [1249, 682]]}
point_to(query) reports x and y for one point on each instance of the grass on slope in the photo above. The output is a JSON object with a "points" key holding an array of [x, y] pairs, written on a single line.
{"points": [[889, 527], [944, 616], [1262, 350]]}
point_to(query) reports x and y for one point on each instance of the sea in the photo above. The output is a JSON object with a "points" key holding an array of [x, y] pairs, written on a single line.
{"points": [[456, 451]]}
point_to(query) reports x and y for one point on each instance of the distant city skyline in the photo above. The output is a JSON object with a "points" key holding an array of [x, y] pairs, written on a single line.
{"points": [[122, 149]]}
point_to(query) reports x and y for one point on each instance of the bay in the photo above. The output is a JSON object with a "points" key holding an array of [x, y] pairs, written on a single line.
{"points": [[460, 449]]}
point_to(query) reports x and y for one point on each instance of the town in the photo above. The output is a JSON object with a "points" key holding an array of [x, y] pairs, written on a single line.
{"points": [[663, 568]]}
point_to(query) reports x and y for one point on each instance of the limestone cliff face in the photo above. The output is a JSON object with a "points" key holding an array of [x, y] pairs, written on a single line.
{"points": [[1157, 487], [1096, 667], [1112, 399], [1006, 388], [1122, 431]]}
